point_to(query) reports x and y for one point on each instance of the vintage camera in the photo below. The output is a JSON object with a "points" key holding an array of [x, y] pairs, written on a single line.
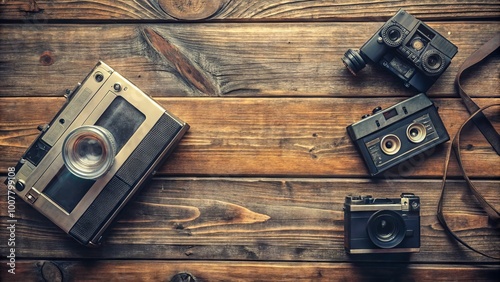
{"points": [[382, 225], [101, 148], [408, 48], [391, 136]]}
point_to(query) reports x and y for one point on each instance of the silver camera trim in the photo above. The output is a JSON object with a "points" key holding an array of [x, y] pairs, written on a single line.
{"points": [[86, 105], [357, 204]]}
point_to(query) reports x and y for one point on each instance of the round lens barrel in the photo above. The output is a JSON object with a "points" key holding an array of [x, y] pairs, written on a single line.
{"points": [[89, 151], [393, 35], [386, 229], [353, 61], [416, 132], [433, 62], [390, 144]]}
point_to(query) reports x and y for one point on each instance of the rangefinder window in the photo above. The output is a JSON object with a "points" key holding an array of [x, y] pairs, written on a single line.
{"points": [[390, 114], [36, 152]]}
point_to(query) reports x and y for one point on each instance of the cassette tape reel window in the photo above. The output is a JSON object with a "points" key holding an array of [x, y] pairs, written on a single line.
{"points": [[100, 148], [389, 137]]}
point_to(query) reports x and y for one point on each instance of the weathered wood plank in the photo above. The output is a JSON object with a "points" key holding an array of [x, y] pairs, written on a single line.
{"points": [[244, 271], [283, 59], [267, 136], [240, 10], [260, 219]]}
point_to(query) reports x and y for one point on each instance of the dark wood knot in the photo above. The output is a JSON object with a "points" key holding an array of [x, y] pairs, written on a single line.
{"points": [[51, 272], [47, 58], [193, 9]]}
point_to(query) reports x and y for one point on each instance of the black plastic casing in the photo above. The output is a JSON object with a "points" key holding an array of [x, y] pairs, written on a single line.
{"points": [[403, 61], [374, 127], [359, 210]]}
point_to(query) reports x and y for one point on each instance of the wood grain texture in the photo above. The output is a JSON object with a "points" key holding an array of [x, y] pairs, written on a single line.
{"points": [[260, 219], [234, 59], [241, 10], [255, 190], [269, 136], [32, 270]]}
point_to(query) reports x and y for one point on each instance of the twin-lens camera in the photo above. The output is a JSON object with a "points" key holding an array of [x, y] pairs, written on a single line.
{"points": [[398, 133], [102, 146], [406, 47], [382, 225]]}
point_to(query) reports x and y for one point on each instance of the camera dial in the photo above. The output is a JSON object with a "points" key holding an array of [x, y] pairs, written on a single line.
{"points": [[393, 35], [418, 44], [89, 151], [98, 76], [376, 109]]}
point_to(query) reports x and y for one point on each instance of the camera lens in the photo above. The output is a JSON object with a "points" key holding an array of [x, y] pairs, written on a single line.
{"points": [[390, 144], [432, 62], [89, 151], [393, 35], [353, 61], [386, 229], [416, 132]]}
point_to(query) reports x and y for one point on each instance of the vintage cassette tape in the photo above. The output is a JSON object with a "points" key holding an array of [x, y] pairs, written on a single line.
{"points": [[398, 133], [103, 145]]}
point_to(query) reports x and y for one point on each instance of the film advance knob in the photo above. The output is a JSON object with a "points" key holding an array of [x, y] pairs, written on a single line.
{"points": [[376, 109], [42, 127], [20, 185]]}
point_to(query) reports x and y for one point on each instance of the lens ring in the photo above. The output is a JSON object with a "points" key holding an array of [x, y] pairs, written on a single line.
{"points": [[416, 132], [386, 229], [353, 61], [390, 144], [89, 151], [433, 62], [393, 35]]}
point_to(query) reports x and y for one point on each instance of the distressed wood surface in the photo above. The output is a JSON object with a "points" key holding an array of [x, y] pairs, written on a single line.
{"points": [[255, 189], [246, 271], [269, 136], [226, 59], [261, 219], [241, 10]]}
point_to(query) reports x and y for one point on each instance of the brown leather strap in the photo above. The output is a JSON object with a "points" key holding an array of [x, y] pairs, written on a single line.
{"points": [[490, 210], [488, 131], [480, 120]]}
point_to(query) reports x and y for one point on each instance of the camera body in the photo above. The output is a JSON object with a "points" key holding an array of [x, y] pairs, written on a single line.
{"points": [[408, 48], [102, 146], [398, 133], [382, 225]]}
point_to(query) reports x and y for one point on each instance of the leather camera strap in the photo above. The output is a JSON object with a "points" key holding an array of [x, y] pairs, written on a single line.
{"points": [[480, 120], [488, 131]]}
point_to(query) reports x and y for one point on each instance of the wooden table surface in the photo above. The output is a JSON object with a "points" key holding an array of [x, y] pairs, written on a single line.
{"points": [[255, 189]]}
